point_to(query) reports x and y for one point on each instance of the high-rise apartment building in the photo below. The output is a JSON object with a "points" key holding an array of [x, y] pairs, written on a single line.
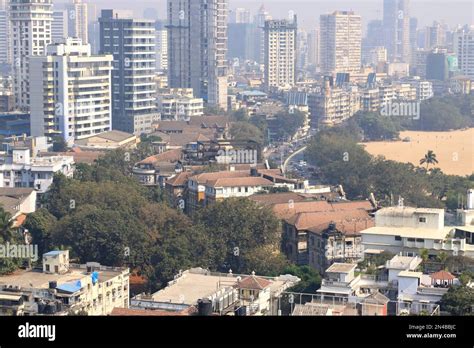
{"points": [[5, 38], [59, 26], [435, 36], [78, 20], [280, 53], [31, 33], [313, 47], [341, 40], [240, 16], [464, 49], [132, 43], [197, 48], [396, 24], [161, 45], [70, 91], [260, 19]]}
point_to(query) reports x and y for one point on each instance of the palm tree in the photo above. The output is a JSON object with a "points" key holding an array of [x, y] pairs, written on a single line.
{"points": [[430, 158], [442, 258], [424, 254]]}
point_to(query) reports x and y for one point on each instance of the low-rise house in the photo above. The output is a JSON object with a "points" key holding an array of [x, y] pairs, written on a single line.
{"points": [[19, 169], [208, 188], [109, 140], [408, 230], [18, 201], [61, 288], [405, 290], [308, 239], [156, 169], [218, 294]]}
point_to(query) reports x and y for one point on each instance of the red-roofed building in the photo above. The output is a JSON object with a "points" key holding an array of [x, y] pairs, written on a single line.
{"points": [[442, 278], [321, 233]]}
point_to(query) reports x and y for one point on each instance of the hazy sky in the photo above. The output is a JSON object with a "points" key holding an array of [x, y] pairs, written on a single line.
{"points": [[452, 12]]}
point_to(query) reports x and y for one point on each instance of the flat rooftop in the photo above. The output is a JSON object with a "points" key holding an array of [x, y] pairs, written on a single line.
{"points": [[192, 286], [39, 280], [341, 268], [409, 232], [410, 274], [403, 262]]}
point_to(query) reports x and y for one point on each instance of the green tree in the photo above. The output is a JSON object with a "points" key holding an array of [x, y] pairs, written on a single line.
{"points": [[40, 224], [424, 254], [244, 131], [376, 126], [7, 235], [310, 279], [234, 238], [459, 300], [429, 159], [59, 144]]}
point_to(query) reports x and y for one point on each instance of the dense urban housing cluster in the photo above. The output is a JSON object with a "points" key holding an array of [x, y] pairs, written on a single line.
{"points": [[208, 159]]}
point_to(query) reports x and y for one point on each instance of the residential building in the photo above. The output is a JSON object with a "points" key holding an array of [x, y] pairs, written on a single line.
{"points": [[162, 169], [18, 201], [78, 20], [341, 42], [132, 43], [218, 294], [70, 92], [419, 62], [239, 15], [110, 140], [14, 123], [180, 108], [241, 42], [408, 230], [464, 48], [461, 85], [332, 105], [437, 66], [377, 55], [161, 46], [19, 169], [260, 19], [197, 48], [313, 47], [5, 38], [321, 232], [31, 33], [399, 288], [374, 38], [62, 288], [435, 36], [208, 188], [396, 25], [280, 53], [59, 26]]}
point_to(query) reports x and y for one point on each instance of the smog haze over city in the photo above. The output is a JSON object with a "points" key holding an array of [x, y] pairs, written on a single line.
{"points": [[237, 158]]}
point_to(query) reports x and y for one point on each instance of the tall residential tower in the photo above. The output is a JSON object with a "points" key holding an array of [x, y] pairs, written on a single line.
{"points": [[341, 42], [31, 33], [132, 43], [197, 48]]}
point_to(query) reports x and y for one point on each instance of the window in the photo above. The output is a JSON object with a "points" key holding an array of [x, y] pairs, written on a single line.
{"points": [[422, 219], [398, 238], [47, 268], [411, 239]]}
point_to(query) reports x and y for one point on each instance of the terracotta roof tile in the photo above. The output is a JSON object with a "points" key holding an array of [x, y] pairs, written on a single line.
{"points": [[442, 275], [253, 283]]}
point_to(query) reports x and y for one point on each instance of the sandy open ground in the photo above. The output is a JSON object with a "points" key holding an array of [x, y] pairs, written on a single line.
{"points": [[454, 150]]}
